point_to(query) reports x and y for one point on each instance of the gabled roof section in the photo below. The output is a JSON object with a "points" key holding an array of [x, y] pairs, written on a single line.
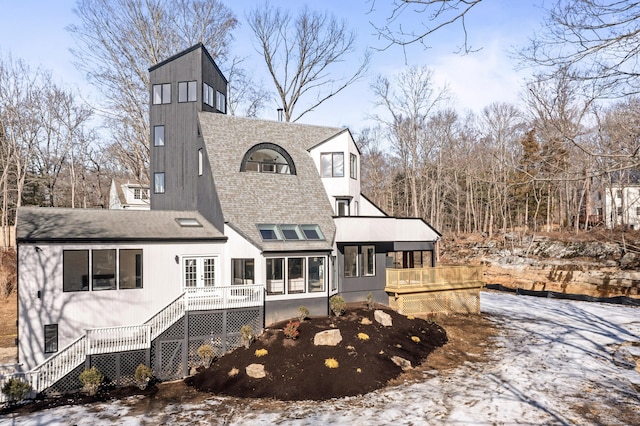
{"points": [[42, 224], [345, 130], [248, 198], [187, 51]]}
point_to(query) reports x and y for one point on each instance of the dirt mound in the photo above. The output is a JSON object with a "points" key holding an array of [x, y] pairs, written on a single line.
{"points": [[296, 368]]}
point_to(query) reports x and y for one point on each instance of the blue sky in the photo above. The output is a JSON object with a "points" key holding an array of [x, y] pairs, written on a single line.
{"points": [[34, 30]]}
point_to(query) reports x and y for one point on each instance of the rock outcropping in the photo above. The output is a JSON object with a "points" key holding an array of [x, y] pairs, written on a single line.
{"points": [[594, 268]]}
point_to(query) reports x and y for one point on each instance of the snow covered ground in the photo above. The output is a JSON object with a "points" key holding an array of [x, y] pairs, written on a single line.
{"points": [[554, 362]]}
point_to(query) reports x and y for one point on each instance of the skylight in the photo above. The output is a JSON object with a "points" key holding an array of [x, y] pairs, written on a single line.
{"points": [[290, 232], [188, 222]]}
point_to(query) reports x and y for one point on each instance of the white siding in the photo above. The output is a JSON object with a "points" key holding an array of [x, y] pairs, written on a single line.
{"points": [[40, 269]]}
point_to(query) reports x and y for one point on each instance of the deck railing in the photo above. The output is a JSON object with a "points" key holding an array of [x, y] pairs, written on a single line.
{"points": [[136, 337], [433, 279], [228, 297]]}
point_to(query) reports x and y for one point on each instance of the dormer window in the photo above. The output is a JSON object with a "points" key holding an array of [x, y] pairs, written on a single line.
{"points": [[332, 164], [268, 158]]}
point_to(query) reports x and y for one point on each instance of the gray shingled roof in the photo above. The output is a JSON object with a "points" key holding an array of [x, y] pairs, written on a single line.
{"points": [[59, 224], [249, 198]]}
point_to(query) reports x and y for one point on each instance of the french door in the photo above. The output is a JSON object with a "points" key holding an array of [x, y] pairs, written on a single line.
{"points": [[199, 271]]}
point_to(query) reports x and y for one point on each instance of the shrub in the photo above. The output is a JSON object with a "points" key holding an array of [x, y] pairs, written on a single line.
{"points": [[337, 304], [16, 390], [142, 376], [206, 354], [363, 336], [369, 301], [261, 352], [246, 333], [303, 313], [91, 379], [331, 363], [291, 330]]}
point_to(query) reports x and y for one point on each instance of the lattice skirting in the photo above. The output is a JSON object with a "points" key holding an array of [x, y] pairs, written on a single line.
{"points": [[452, 301], [119, 368]]}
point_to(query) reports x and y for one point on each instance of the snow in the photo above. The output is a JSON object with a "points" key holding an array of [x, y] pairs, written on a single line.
{"points": [[554, 362]]}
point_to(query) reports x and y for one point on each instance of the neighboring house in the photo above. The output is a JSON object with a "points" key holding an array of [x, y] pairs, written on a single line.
{"points": [[619, 204], [249, 220], [127, 194]]}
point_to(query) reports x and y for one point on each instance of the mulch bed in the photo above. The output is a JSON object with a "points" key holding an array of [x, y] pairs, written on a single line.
{"points": [[296, 368]]}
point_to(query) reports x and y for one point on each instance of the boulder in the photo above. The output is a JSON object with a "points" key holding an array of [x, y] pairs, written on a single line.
{"points": [[327, 338], [402, 363], [366, 321], [256, 371], [383, 318]]}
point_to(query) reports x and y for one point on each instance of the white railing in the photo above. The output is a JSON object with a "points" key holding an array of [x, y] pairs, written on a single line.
{"points": [[136, 337], [118, 339], [60, 364], [166, 317], [227, 297]]}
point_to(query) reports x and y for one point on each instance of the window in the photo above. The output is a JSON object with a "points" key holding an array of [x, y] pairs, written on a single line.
{"points": [[103, 269], [351, 261], [312, 232], [137, 193], [353, 169], [368, 260], [619, 209], [267, 158], [618, 194], [162, 93], [130, 269], [242, 271], [75, 270], [221, 102], [158, 135], [301, 274], [291, 232], [269, 232], [332, 164], [158, 183], [409, 259], [50, 338], [275, 280], [207, 95], [295, 275], [342, 207], [187, 91], [200, 162], [103, 266], [637, 211], [316, 274], [188, 222], [145, 194]]}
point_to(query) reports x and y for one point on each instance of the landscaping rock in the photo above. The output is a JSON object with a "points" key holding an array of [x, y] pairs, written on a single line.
{"points": [[366, 321], [383, 318], [327, 338], [256, 371], [402, 363]]}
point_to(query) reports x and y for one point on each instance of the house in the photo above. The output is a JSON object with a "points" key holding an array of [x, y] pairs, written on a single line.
{"points": [[129, 194], [619, 205], [249, 220]]}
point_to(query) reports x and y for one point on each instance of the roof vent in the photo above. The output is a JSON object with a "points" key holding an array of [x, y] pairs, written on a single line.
{"points": [[280, 114]]}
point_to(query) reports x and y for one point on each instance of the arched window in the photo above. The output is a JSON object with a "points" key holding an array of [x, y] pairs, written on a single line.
{"points": [[268, 158]]}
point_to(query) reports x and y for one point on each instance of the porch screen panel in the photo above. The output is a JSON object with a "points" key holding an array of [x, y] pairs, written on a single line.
{"points": [[275, 280], [316, 274], [130, 275], [75, 270], [103, 266], [296, 274]]}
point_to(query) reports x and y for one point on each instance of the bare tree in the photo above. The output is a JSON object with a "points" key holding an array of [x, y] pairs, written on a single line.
{"points": [[246, 97], [408, 101], [301, 55], [438, 13], [118, 40], [598, 41]]}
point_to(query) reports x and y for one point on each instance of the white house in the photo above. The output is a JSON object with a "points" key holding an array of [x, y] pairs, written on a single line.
{"points": [[128, 194], [620, 205], [249, 220]]}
